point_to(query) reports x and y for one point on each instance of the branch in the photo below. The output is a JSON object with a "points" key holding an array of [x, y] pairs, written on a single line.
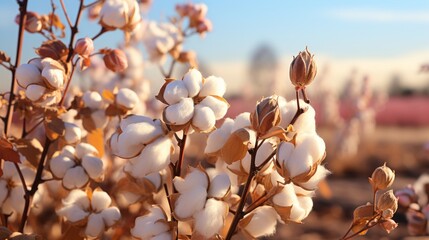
{"points": [[74, 30]]}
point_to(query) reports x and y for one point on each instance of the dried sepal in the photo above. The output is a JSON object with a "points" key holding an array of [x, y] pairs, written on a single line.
{"points": [[31, 149], [96, 139], [8, 152], [54, 49], [55, 127], [160, 95], [236, 146]]}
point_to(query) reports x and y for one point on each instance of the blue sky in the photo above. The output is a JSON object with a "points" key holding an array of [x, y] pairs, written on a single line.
{"points": [[339, 29]]}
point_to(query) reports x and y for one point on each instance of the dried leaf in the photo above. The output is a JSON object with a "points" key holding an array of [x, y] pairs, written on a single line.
{"points": [[56, 22], [31, 149], [8, 152], [324, 189], [96, 139], [55, 128], [113, 110], [108, 95], [235, 147], [4, 57]]}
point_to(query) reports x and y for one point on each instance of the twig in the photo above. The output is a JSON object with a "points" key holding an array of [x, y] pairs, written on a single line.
{"points": [[31, 129], [267, 160], [170, 72], [102, 30], [68, 83], [299, 110], [91, 4], [65, 13], [366, 227], [22, 19], [182, 144], [21, 176], [239, 212], [74, 30], [37, 180]]}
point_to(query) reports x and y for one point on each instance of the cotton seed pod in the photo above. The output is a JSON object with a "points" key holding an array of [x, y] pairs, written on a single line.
{"points": [[303, 69], [387, 201], [33, 23], [115, 60], [84, 46], [266, 115], [382, 178]]}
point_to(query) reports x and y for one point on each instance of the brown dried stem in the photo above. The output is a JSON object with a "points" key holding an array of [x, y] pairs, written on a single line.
{"points": [[66, 14], [22, 19], [182, 144], [239, 212], [101, 32], [37, 180], [74, 31], [68, 83], [371, 223]]}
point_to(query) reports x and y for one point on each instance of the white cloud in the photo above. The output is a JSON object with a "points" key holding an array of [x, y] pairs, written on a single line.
{"points": [[380, 15]]}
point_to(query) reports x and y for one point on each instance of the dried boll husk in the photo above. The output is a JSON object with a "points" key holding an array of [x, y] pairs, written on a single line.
{"points": [[303, 69], [387, 201], [382, 178], [266, 115]]}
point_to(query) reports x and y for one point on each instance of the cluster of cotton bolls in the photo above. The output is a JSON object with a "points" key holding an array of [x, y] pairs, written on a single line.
{"points": [[124, 15], [193, 101], [288, 158], [43, 80], [91, 211], [75, 166]]}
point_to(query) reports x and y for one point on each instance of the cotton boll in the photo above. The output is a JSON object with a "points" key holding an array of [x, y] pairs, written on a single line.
{"points": [[286, 197], [130, 119], [299, 162], [210, 220], [149, 225], [95, 225], [111, 216], [100, 200], [93, 166], [155, 178], [72, 213], [263, 222], [99, 118], [195, 178], [127, 98], [190, 202], [213, 86], [218, 137], [219, 186], [83, 149], [153, 158], [204, 118], [27, 74], [264, 151], [92, 100], [314, 145], [181, 112], [68, 151], [72, 134], [218, 106], [35, 92], [54, 77], [193, 81], [139, 133], [163, 236], [75, 178], [60, 164], [284, 152], [175, 91]]}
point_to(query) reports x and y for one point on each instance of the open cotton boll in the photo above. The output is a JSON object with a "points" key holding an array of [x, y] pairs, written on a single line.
{"points": [[175, 91], [313, 143], [27, 74], [54, 77], [286, 197], [300, 213], [92, 99], [73, 213], [34, 92], [210, 220], [99, 118], [195, 178], [72, 133], [218, 107], [77, 197], [263, 222], [111, 215], [305, 123], [130, 119], [68, 151], [213, 86], [154, 157], [127, 98], [190, 202], [75, 178], [100, 200], [95, 225], [218, 137], [150, 225], [60, 164], [193, 81], [204, 118], [219, 186], [83, 149], [181, 112], [284, 152], [93, 166]]}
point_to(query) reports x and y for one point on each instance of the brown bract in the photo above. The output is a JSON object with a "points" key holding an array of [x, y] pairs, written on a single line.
{"points": [[303, 69], [54, 49]]}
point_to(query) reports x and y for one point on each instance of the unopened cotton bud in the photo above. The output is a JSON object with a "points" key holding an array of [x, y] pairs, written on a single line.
{"points": [[184, 9], [382, 178], [303, 69], [33, 23], [406, 197], [204, 26], [115, 60], [188, 57], [84, 46], [266, 115], [387, 201]]}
